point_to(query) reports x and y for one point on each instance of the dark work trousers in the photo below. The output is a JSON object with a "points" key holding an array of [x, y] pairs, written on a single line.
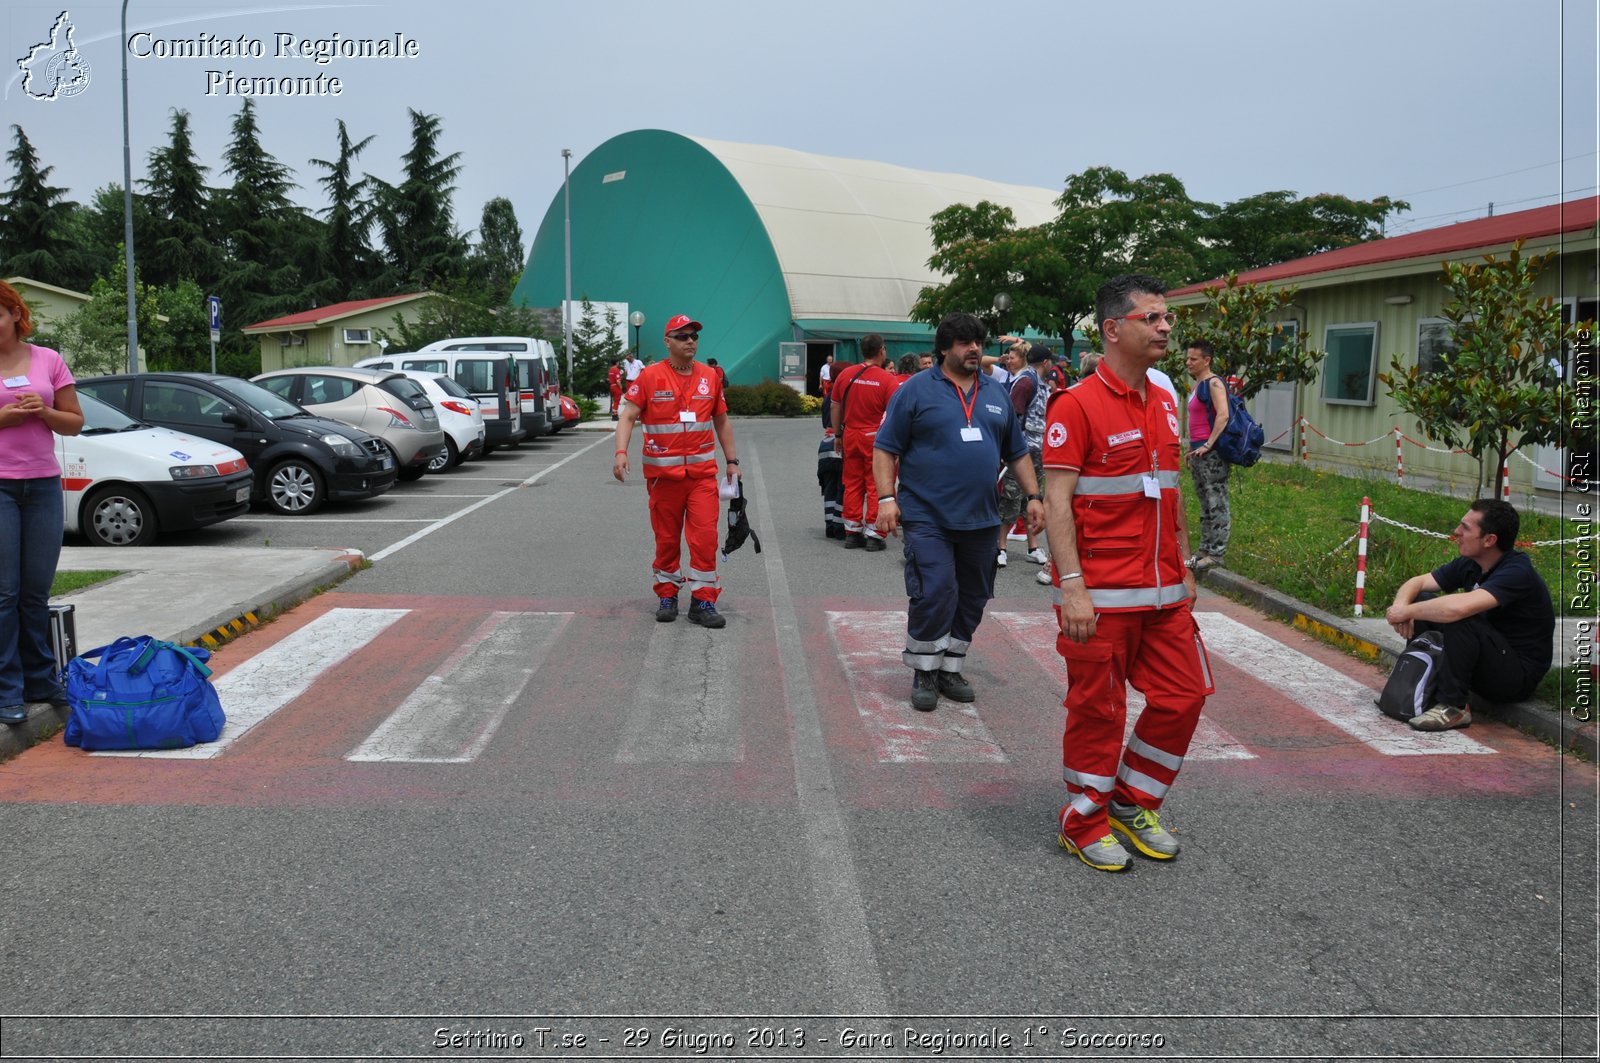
{"points": [[1477, 659], [949, 579]]}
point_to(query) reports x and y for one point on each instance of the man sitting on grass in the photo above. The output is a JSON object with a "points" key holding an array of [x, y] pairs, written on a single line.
{"points": [[1497, 632]]}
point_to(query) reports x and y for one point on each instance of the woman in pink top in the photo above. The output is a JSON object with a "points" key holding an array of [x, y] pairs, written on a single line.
{"points": [[37, 400], [1208, 416]]}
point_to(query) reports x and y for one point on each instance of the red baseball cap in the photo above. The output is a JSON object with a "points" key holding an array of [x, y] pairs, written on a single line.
{"points": [[681, 321]]}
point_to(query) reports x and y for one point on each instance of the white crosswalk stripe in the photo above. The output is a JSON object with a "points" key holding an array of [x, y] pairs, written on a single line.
{"points": [[452, 715], [1327, 692], [869, 645], [1036, 632], [266, 682]]}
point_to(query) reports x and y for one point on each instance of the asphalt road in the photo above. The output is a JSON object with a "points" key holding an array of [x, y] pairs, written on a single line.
{"points": [[498, 806]]}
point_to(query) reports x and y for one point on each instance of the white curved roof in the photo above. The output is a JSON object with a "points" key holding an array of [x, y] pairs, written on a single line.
{"points": [[852, 236]]}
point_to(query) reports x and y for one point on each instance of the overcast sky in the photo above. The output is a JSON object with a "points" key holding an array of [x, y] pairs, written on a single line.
{"points": [[1450, 105]]}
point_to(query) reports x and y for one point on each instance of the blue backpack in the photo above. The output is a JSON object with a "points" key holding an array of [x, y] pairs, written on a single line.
{"points": [[144, 694], [1240, 442]]}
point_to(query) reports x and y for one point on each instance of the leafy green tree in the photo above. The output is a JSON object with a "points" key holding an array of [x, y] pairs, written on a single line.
{"points": [[596, 342], [496, 263], [1272, 227], [421, 245], [35, 224], [180, 244], [348, 266], [1243, 324], [1499, 389], [264, 236], [173, 327]]}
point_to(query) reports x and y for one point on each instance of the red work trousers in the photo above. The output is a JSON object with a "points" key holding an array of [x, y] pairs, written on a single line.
{"points": [[860, 492], [685, 509], [1159, 651]]}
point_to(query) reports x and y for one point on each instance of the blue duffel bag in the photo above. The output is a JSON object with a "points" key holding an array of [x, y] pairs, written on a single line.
{"points": [[144, 694]]}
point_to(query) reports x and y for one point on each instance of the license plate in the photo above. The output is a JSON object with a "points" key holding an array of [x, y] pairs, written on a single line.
{"points": [[385, 462], [242, 495]]}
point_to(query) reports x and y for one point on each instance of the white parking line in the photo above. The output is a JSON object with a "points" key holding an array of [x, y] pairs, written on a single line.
{"points": [[452, 715], [265, 683]]}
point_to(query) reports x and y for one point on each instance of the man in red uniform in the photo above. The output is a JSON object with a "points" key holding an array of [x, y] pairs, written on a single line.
{"points": [[679, 402], [614, 382], [1118, 538], [861, 394]]}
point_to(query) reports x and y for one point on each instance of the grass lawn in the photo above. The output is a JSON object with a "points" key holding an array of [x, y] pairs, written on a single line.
{"points": [[1291, 523], [66, 582]]}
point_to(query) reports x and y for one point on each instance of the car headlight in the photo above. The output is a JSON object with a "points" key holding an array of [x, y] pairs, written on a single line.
{"points": [[192, 472], [343, 446]]}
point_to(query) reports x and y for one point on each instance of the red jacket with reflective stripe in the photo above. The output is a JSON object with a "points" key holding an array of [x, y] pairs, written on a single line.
{"points": [[1120, 444], [865, 399], [676, 448]]}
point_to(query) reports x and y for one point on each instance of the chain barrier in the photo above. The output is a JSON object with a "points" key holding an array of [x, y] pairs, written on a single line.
{"points": [[1399, 458]]}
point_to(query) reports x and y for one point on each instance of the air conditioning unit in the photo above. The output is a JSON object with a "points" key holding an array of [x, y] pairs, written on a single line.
{"points": [[297, 339]]}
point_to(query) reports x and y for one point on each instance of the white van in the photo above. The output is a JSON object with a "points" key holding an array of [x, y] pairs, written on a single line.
{"points": [[538, 375], [122, 481], [490, 377]]}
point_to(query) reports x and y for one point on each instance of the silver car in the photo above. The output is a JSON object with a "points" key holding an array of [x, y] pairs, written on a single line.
{"points": [[384, 402]]}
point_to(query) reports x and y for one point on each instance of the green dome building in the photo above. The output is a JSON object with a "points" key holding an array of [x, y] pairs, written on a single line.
{"points": [[764, 245]]}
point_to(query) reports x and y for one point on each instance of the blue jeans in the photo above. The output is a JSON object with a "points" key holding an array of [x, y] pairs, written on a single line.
{"points": [[30, 546]]}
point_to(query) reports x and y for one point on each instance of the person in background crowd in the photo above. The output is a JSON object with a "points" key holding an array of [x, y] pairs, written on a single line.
{"points": [[1118, 538], [860, 395], [925, 360], [950, 429], [1498, 631], [825, 389], [1028, 398], [1208, 418], [909, 364], [722, 374], [680, 403], [632, 366], [830, 478], [38, 401], [614, 382]]}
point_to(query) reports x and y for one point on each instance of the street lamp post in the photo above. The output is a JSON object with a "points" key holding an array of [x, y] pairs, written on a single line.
{"points": [[1002, 303], [127, 206], [636, 319], [566, 192]]}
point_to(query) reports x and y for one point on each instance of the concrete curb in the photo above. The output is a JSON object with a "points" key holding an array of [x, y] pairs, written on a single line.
{"points": [[45, 719], [1535, 717]]}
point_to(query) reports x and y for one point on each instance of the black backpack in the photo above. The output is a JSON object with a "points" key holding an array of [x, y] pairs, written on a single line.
{"points": [[1409, 691]]}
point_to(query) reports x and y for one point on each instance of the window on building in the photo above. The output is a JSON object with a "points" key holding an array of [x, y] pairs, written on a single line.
{"points": [[1434, 344], [1350, 370], [358, 335]]}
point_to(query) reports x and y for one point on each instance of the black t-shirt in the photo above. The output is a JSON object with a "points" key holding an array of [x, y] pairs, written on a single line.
{"points": [[1525, 615]]}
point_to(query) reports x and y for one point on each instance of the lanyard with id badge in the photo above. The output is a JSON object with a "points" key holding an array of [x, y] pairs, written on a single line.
{"points": [[972, 433]]}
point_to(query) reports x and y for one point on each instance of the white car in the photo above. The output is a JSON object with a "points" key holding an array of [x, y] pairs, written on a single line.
{"points": [[459, 415], [123, 481]]}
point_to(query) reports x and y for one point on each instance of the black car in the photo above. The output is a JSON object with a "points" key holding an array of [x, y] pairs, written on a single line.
{"points": [[300, 460]]}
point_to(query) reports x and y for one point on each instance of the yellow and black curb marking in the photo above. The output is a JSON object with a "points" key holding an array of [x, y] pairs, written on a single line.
{"points": [[227, 632], [1337, 637]]}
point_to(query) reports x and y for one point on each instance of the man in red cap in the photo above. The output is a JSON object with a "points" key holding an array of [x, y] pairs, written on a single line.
{"points": [[680, 403]]}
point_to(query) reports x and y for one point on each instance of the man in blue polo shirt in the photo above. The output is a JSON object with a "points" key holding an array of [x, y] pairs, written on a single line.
{"points": [[950, 427]]}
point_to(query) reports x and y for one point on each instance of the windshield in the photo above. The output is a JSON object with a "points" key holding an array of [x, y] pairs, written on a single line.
{"points": [[100, 417], [260, 399]]}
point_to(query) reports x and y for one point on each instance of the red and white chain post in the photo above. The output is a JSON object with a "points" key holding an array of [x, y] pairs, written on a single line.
{"points": [[1361, 555], [1505, 480], [1399, 459], [1304, 451]]}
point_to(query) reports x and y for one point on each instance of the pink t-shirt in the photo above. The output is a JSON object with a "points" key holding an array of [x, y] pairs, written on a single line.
{"points": [[28, 450], [1200, 414]]}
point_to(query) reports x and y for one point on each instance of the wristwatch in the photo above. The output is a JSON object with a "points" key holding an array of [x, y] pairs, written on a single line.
{"points": [[1037, 497]]}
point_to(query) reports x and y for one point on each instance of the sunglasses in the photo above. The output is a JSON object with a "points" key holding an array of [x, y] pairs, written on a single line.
{"points": [[683, 337], [1150, 318]]}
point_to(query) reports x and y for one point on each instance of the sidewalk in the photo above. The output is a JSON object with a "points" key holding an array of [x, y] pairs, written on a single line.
{"points": [[203, 597], [207, 596]]}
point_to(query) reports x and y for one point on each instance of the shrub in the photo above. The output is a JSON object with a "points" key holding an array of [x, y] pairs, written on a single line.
{"points": [[743, 401], [810, 404], [780, 399], [587, 407]]}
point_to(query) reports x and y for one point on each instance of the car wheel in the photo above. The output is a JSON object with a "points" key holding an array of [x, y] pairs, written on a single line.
{"points": [[449, 459], [116, 515], [294, 487]]}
